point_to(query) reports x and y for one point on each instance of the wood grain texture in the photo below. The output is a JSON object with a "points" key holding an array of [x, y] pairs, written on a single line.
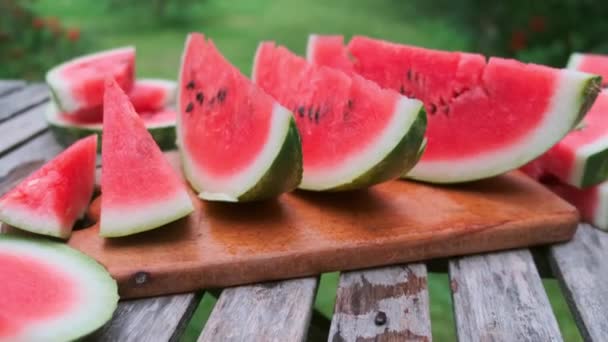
{"points": [[41, 148], [25, 98], [224, 244], [581, 267], [500, 297], [383, 304], [22, 127], [8, 86], [150, 319], [278, 311]]}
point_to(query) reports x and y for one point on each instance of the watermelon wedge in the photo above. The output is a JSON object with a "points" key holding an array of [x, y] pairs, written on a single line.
{"points": [[51, 292], [581, 158], [354, 134], [136, 178], [591, 63], [69, 128], [50, 200], [485, 117], [78, 84], [236, 142]]}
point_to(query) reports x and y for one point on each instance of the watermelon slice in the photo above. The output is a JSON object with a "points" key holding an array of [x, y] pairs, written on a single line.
{"points": [[69, 128], [485, 117], [51, 199], [591, 63], [78, 84], [136, 177], [354, 134], [236, 142], [150, 95], [581, 158], [51, 292]]}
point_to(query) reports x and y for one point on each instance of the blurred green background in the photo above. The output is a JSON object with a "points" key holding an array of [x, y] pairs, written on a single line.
{"points": [[35, 35]]}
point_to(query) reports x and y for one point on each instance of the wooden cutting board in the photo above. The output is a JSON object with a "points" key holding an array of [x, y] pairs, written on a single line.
{"points": [[303, 233]]}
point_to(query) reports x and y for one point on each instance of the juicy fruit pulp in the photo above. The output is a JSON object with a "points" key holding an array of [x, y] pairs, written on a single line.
{"points": [[581, 158], [78, 84], [50, 291], [236, 142], [485, 118], [51, 199], [136, 177], [594, 64], [354, 134]]}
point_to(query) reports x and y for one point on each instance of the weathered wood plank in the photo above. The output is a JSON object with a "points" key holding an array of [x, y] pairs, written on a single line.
{"points": [[581, 267], [382, 304], [500, 297], [277, 311], [39, 149], [25, 98], [21, 128], [7, 86], [150, 319]]}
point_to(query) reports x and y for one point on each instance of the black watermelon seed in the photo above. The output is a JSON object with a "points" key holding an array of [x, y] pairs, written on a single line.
{"points": [[317, 113], [432, 108], [221, 95], [189, 107], [301, 111], [402, 90], [349, 104], [200, 98], [190, 85], [409, 74]]}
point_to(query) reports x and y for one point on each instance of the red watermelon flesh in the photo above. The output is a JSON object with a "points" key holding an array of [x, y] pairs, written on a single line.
{"points": [[78, 84], [485, 117], [591, 63], [146, 95], [347, 123], [51, 199], [136, 177], [581, 158], [237, 142]]}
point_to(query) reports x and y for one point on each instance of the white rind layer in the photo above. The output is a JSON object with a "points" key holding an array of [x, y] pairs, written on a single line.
{"points": [[563, 112], [123, 220], [230, 187], [310, 47], [61, 87], [405, 114], [97, 291], [24, 219], [600, 215], [574, 61], [52, 117]]}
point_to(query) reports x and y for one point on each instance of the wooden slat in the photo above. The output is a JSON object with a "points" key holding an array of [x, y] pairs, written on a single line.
{"points": [[25, 98], [150, 319], [278, 311], [7, 86], [500, 297], [581, 267], [22, 127], [382, 304]]}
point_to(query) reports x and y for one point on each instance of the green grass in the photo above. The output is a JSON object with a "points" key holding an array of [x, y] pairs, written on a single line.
{"points": [[237, 26]]}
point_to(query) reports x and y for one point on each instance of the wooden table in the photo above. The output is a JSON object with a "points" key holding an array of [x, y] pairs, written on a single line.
{"points": [[497, 296]]}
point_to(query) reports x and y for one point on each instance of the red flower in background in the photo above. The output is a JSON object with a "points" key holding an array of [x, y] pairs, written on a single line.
{"points": [[73, 34], [518, 40], [54, 25], [38, 23], [538, 24]]}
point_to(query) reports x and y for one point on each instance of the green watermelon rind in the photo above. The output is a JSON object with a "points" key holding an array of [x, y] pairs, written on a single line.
{"points": [[100, 290], [67, 133], [575, 93], [285, 173], [398, 161]]}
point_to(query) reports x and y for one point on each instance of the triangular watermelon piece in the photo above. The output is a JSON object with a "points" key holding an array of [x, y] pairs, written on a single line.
{"points": [[486, 117], [51, 199], [140, 189]]}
